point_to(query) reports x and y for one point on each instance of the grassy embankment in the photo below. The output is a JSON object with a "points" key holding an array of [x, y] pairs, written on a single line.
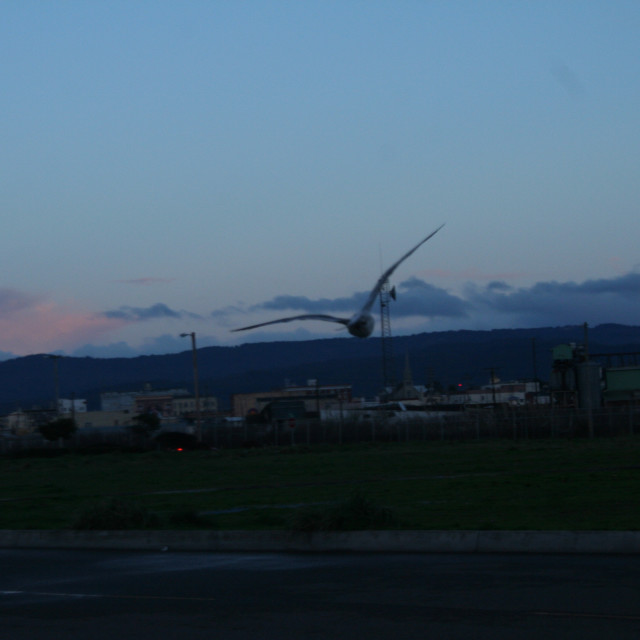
{"points": [[578, 484]]}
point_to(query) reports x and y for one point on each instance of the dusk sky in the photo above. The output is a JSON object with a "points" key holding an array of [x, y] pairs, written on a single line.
{"points": [[169, 167]]}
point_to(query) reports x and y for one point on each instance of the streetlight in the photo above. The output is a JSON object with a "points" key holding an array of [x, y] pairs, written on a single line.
{"points": [[195, 382]]}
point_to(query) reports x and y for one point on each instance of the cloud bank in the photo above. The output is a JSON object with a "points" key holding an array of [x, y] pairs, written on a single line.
{"points": [[32, 324], [494, 305], [141, 314]]}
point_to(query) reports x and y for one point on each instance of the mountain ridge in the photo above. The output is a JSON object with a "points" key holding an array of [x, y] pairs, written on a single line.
{"points": [[448, 357]]}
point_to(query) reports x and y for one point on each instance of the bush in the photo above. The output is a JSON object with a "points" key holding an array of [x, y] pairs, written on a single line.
{"points": [[191, 519], [60, 428], [146, 423], [357, 513], [116, 514], [174, 440]]}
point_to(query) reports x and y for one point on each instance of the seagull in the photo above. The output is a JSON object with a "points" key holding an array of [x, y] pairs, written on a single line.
{"points": [[360, 324]]}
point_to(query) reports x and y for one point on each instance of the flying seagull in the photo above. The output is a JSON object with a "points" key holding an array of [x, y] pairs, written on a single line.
{"points": [[360, 324]]}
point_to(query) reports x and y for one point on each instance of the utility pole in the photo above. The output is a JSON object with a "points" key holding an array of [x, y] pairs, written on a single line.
{"points": [[534, 359], [56, 382], [196, 389], [492, 373]]}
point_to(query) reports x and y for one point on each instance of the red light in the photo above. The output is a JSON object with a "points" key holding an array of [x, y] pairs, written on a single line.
{"points": [[179, 449]]}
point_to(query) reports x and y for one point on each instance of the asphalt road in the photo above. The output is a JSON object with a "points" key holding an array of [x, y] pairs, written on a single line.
{"points": [[52, 595]]}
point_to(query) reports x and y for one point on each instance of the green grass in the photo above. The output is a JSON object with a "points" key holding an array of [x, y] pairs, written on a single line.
{"points": [[578, 484]]}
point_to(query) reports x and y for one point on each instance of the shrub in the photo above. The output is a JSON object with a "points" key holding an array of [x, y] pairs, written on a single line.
{"points": [[60, 428], [146, 423], [176, 440], [190, 519], [358, 513]]}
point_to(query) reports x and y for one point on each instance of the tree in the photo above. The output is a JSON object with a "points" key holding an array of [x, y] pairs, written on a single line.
{"points": [[60, 428], [146, 423]]}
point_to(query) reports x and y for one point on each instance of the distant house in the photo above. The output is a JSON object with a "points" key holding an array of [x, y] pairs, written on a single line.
{"points": [[185, 407], [22, 423], [126, 400], [168, 404], [315, 397], [160, 404], [104, 419], [19, 423], [68, 406]]}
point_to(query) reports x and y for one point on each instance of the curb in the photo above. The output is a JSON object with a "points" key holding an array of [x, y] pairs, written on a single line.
{"points": [[601, 542]]}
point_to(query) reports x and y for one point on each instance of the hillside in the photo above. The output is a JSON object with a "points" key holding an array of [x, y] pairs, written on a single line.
{"points": [[449, 357]]}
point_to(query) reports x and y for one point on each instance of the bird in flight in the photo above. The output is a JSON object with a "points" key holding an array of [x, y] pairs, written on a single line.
{"points": [[360, 324]]}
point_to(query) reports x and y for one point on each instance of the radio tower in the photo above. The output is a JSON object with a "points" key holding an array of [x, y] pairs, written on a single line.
{"points": [[388, 366]]}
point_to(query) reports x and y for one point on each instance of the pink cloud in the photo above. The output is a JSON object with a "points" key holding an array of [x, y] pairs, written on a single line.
{"points": [[43, 326]]}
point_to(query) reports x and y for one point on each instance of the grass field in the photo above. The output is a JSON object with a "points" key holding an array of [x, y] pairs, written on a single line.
{"points": [[544, 485]]}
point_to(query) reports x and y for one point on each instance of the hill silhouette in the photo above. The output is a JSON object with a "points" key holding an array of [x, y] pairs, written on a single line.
{"points": [[447, 357]]}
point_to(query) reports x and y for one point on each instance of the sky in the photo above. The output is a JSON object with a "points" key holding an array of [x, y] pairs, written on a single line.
{"points": [[198, 166]]}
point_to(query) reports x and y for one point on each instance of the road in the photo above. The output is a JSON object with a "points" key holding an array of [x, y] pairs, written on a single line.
{"points": [[102, 595]]}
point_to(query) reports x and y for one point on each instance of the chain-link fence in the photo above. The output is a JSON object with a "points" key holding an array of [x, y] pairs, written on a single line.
{"points": [[512, 423], [519, 423]]}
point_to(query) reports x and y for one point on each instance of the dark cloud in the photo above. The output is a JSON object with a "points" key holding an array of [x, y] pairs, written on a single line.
{"points": [[418, 298], [302, 303], [414, 298], [498, 285], [543, 295], [497, 304], [140, 314], [627, 284], [603, 300]]}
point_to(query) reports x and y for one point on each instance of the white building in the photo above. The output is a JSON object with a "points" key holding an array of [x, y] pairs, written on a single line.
{"points": [[513, 393], [68, 406]]}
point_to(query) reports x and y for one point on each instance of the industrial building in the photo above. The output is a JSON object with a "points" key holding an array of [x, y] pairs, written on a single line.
{"points": [[588, 381]]}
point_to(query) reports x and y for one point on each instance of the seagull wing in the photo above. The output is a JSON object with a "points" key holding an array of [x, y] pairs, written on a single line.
{"points": [[386, 275], [308, 316]]}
